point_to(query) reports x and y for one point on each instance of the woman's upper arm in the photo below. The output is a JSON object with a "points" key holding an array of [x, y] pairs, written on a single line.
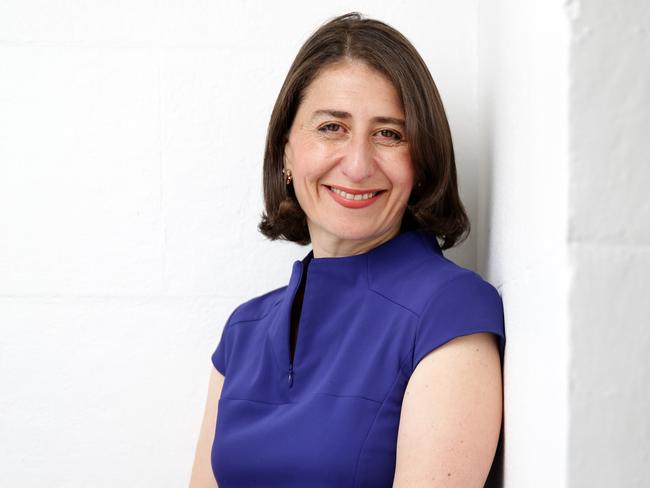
{"points": [[202, 475], [451, 415]]}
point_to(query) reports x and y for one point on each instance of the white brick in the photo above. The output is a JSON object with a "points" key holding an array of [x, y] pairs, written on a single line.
{"points": [[80, 182], [115, 380]]}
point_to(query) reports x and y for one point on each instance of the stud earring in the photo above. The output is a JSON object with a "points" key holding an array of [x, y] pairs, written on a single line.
{"points": [[287, 172]]}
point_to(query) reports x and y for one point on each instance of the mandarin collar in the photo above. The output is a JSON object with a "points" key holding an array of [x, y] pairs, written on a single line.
{"points": [[349, 266], [345, 271]]}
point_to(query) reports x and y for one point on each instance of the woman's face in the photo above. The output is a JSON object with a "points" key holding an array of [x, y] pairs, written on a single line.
{"points": [[349, 159]]}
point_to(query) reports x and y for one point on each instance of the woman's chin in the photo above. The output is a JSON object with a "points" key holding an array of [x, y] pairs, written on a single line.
{"points": [[357, 233]]}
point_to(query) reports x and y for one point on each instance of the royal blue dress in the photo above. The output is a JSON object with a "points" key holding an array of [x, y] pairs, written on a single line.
{"points": [[330, 418]]}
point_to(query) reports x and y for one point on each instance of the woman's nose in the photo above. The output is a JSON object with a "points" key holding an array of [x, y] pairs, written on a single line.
{"points": [[357, 163]]}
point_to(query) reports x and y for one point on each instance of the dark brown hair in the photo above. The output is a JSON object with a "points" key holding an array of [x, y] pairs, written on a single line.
{"points": [[434, 204]]}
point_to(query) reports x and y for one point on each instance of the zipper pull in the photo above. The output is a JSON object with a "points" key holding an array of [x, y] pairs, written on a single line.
{"points": [[290, 375]]}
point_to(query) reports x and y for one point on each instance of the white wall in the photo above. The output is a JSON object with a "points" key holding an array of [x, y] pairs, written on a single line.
{"points": [[523, 80], [131, 138], [565, 118], [609, 238]]}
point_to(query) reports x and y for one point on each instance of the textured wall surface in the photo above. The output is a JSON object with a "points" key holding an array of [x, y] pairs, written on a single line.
{"points": [[610, 244], [131, 138], [565, 117]]}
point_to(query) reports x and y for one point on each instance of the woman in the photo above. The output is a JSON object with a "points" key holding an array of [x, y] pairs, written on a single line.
{"points": [[379, 364]]}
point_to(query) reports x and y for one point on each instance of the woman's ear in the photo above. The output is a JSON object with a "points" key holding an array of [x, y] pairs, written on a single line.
{"points": [[287, 160]]}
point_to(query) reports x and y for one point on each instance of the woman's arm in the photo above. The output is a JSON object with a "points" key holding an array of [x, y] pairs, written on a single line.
{"points": [[202, 475], [451, 416]]}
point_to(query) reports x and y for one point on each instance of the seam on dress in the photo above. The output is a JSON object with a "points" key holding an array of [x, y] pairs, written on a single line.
{"points": [[371, 288], [243, 321], [348, 396], [254, 401], [374, 420], [393, 301]]}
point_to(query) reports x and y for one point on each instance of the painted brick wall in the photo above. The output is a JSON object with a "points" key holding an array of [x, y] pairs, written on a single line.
{"points": [[131, 139]]}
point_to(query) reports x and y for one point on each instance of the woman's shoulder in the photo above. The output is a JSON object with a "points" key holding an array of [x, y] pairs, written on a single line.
{"points": [[257, 307], [417, 282]]}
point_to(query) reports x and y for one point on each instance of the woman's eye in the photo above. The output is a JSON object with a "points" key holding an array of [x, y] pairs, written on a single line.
{"points": [[329, 126], [333, 127], [391, 134]]}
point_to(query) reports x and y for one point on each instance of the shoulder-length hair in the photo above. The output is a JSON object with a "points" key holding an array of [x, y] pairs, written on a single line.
{"points": [[434, 204]]}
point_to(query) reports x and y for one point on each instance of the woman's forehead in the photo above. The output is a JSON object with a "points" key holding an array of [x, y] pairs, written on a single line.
{"points": [[342, 90]]}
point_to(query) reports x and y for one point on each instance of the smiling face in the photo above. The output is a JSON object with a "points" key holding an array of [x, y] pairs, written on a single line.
{"points": [[349, 159]]}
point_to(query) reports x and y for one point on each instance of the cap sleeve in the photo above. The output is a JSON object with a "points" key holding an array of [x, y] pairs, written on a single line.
{"points": [[464, 305], [220, 354]]}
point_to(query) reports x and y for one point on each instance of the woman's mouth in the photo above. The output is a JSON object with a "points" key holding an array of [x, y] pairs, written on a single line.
{"points": [[354, 198]]}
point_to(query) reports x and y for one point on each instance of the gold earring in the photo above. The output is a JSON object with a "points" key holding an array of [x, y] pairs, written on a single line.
{"points": [[287, 172]]}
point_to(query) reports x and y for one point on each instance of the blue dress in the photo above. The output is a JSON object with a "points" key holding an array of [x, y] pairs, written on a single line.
{"points": [[330, 417]]}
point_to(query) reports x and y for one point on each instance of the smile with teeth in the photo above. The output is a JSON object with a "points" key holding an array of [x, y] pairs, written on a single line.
{"points": [[350, 196]]}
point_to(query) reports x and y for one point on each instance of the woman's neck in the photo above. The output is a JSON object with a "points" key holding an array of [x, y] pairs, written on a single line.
{"points": [[326, 245]]}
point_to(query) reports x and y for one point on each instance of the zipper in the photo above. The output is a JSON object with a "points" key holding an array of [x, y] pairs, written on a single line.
{"points": [[290, 374], [293, 299], [303, 272]]}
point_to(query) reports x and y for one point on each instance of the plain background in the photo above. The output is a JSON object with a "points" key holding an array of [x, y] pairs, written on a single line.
{"points": [[131, 139], [132, 136]]}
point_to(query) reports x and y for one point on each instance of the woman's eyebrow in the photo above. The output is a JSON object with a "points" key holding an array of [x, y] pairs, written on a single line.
{"points": [[340, 114]]}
